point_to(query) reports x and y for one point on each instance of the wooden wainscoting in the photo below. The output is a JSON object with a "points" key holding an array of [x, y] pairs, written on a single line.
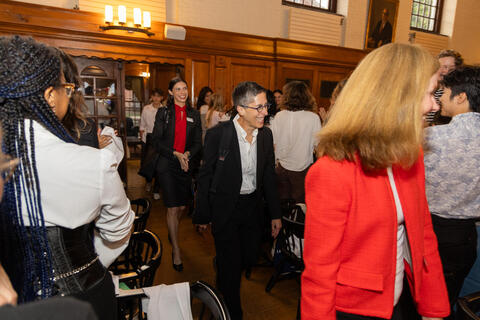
{"points": [[217, 59]]}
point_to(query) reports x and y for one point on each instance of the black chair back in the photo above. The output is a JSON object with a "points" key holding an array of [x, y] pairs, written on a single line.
{"points": [[142, 209], [468, 307], [210, 299]]}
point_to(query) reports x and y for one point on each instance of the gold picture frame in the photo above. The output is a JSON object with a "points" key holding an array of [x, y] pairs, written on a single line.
{"points": [[379, 32]]}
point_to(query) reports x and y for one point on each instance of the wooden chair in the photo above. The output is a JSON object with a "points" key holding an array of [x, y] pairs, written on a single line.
{"points": [[205, 302], [137, 269], [289, 262], [142, 209], [468, 307]]}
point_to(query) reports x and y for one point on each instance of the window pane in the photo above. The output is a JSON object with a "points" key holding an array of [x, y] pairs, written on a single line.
{"points": [[87, 86], [427, 11], [425, 24], [421, 9], [299, 1], [419, 22], [105, 88], [307, 2], [434, 2], [413, 22], [105, 107], [432, 23], [428, 1], [324, 4], [422, 1], [432, 14], [415, 8], [90, 106]]}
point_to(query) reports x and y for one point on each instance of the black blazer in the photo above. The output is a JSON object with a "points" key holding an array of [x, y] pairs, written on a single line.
{"points": [[217, 206], [163, 135]]}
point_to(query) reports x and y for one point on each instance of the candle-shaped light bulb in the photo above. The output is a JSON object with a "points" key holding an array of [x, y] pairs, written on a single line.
{"points": [[147, 21], [137, 17], [122, 14], [108, 14]]}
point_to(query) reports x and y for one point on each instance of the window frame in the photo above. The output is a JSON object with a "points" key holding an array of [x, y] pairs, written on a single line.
{"points": [[332, 4], [437, 20]]}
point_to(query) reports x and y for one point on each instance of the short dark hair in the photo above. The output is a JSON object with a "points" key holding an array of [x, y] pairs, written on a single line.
{"points": [[465, 80], [298, 97], [454, 54], [157, 91], [277, 90], [245, 92]]}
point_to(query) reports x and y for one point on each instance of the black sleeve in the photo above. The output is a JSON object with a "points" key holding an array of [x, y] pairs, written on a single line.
{"points": [[202, 214], [158, 139], [197, 135], [270, 178]]}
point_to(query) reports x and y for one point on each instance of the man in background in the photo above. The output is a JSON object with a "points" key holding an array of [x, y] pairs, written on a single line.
{"points": [[382, 34], [453, 178]]}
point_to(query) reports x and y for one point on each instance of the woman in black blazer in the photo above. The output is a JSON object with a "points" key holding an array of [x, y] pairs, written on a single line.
{"points": [[177, 136]]}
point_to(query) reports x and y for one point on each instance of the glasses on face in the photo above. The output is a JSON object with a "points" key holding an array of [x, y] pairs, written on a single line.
{"points": [[259, 108], [69, 88], [7, 167]]}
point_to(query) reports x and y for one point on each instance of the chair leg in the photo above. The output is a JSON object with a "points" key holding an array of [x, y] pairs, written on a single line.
{"points": [[272, 281], [298, 310]]}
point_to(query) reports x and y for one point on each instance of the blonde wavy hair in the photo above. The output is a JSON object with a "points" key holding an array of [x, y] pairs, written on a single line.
{"points": [[378, 114]]}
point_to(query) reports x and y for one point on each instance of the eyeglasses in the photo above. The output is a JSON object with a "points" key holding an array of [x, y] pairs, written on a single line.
{"points": [[259, 108], [69, 88], [7, 167]]}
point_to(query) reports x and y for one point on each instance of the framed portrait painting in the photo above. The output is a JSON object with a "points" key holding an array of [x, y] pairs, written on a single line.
{"points": [[382, 19]]}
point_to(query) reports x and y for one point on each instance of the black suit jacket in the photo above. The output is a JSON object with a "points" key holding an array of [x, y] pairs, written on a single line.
{"points": [[385, 35], [163, 135], [217, 207]]}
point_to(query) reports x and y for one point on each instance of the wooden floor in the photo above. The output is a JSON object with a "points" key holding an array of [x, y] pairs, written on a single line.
{"points": [[197, 254]]}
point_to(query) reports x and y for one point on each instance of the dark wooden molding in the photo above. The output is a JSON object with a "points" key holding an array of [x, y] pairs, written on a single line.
{"points": [[78, 31]]}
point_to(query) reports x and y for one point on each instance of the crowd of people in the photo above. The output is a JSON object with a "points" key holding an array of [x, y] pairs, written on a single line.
{"points": [[391, 205]]}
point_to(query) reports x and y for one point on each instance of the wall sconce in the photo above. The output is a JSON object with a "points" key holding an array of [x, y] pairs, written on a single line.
{"points": [[122, 20], [145, 74]]}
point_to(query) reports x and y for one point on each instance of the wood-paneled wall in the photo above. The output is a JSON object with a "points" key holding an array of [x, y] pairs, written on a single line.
{"points": [[217, 59]]}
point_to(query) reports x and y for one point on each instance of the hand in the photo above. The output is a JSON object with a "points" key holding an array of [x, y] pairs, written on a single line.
{"points": [[322, 113], [183, 159], [276, 226], [201, 227], [103, 140], [7, 294]]}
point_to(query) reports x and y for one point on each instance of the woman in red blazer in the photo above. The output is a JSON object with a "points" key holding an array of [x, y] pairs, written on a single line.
{"points": [[370, 251]]}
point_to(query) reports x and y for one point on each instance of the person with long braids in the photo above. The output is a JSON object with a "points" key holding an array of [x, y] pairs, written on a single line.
{"points": [[59, 191], [177, 136]]}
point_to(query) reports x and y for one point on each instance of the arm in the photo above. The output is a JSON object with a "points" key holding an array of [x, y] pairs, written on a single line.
{"points": [[270, 185], [7, 293], [328, 195], [202, 214], [197, 136], [158, 134], [114, 224], [433, 298]]}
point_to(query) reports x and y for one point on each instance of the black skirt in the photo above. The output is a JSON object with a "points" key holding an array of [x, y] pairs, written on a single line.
{"points": [[176, 185]]}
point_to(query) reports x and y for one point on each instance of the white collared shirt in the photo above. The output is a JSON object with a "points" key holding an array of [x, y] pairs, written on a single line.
{"points": [[147, 120], [248, 156], [78, 185]]}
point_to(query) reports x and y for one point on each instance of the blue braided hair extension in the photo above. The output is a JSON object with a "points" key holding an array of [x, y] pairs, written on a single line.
{"points": [[27, 69]]}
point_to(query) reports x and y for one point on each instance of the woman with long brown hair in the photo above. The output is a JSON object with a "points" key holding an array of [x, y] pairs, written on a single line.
{"points": [[366, 193]]}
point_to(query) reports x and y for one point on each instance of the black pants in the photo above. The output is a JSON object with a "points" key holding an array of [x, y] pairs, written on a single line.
{"points": [[237, 246], [457, 245], [404, 310]]}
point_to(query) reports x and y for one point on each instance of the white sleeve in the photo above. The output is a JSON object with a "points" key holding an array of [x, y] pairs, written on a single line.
{"points": [[142, 120], [114, 224], [316, 129]]}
